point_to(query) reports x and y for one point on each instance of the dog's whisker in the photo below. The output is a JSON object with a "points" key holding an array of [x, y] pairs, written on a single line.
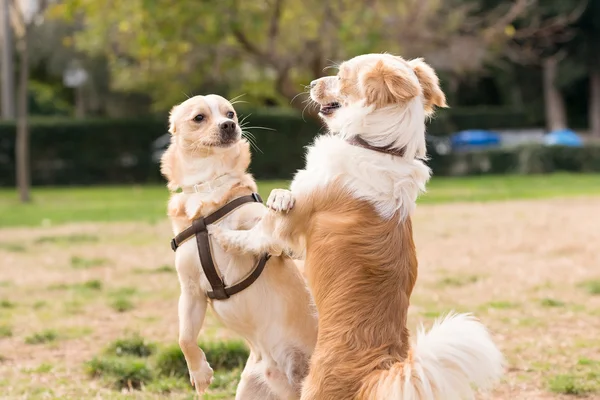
{"points": [[259, 127], [299, 94], [236, 98], [244, 118]]}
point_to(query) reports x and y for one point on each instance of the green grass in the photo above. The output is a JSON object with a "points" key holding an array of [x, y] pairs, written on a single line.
{"points": [[591, 286], [47, 336], [52, 206]]}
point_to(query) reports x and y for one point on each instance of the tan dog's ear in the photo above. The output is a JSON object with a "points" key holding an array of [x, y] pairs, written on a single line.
{"points": [[432, 93], [384, 85], [172, 127]]}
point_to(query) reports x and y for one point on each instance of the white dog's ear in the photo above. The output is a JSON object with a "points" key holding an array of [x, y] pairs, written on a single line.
{"points": [[432, 93], [172, 127], [384, 85]]}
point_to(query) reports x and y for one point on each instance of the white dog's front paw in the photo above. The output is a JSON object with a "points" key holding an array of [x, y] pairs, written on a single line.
{"points": [[202, 378], [280, 200], [226, 239]]}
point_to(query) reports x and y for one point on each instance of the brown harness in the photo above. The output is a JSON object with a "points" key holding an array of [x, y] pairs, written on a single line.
{"points": [[219, 290]]}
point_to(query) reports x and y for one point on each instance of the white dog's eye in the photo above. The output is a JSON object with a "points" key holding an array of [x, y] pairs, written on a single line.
{"points": [[199, 118], [230, 114]]}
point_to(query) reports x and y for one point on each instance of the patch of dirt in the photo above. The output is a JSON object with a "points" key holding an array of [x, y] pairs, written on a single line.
{"points": [[519, 266]]}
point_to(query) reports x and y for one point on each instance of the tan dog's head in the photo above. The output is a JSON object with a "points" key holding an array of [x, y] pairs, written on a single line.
{"points": [[382, 98], [206, 141]]}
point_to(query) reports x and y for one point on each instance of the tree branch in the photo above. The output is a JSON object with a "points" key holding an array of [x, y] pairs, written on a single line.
{"points": [[274, 26]]}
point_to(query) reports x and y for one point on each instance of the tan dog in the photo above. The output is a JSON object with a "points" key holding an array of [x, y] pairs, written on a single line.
{"points": [[350, 208], [275, 314]]}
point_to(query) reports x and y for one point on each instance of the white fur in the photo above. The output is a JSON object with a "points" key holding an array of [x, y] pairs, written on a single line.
{"points": [[390, 183], [396, 126], [455, 354]]}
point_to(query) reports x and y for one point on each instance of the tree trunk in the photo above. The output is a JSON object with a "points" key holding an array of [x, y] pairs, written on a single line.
{"points": [[8, 83], [22, 142], [556, 115], [594, 108], [79, 102]]}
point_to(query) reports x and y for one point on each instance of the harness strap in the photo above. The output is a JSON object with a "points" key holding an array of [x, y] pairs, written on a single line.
{"points": [[219, 290]]}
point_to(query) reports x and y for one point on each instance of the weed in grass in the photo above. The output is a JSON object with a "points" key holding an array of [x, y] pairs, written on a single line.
{"points": [[501, 305], [226, 381], [67, 239], [93, 284], [168, 384], [123, 291], [39, 304], [73, 307], [46, 336], [548, 302], [458, 280], [76, 332], [163, 269], [121, 304], [7, 304], [220, 355], [132, 346], [43, 368], [120, 372], [86, 263], [5, 331], [58, 286], [13, 247], [575, 384], [591, 286]]}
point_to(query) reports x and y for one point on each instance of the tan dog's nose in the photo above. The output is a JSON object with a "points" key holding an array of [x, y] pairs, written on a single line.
{"points": [[227, 128]]}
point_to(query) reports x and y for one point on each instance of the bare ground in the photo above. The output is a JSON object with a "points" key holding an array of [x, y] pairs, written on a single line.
{"points": [[529, 269]]}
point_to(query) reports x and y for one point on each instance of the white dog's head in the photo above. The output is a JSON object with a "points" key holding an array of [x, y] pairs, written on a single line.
{"points": [[381, 98]]}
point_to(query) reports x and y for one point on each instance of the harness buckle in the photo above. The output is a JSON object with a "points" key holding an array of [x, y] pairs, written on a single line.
{"points": [[174, 244], [257, 197], [218, 293]]}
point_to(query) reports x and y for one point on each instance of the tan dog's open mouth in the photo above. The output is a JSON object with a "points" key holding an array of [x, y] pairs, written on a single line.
{"points": [[329, 108]]}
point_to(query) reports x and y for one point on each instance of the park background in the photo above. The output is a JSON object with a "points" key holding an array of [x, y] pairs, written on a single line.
{"points": [[508, 230]]}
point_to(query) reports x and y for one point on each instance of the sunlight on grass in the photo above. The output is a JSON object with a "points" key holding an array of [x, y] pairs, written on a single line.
{"points": [[53, 206]]}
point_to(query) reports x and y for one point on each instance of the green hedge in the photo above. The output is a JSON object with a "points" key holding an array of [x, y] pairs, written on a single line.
{"points": [[67, 152], [530, 159]]}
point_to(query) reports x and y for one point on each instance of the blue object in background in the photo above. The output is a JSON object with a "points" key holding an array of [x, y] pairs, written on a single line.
{"points": [[563, 137], [474, 138]]}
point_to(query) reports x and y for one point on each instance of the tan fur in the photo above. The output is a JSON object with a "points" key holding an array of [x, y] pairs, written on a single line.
{"points": [[383, 85], [275, 314], [433, 95], [361, 267], [361, 270]]}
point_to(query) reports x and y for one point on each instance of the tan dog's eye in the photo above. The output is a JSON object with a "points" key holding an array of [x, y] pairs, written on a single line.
{"points": [[230, 114], [199, 118]]}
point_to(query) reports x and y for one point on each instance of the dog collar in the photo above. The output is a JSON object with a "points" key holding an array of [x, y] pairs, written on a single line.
{"points": [[205, 187]]}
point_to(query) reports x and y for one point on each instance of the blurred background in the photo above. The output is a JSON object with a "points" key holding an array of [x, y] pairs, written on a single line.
{"points": [[508, 229]]}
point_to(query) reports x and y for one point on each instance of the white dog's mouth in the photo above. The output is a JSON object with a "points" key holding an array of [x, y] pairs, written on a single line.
{"points": [[329, 108]]}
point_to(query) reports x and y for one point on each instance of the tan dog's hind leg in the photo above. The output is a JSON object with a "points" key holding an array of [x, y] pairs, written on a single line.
{"points": [[192, 309], [252, 384]]}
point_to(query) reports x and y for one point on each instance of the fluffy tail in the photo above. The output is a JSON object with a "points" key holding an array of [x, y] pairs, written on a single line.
{"points": [[447, 362]]}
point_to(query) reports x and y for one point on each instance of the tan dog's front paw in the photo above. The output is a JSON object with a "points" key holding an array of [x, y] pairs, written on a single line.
{"points": [[202, 378], [280, 200]]}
